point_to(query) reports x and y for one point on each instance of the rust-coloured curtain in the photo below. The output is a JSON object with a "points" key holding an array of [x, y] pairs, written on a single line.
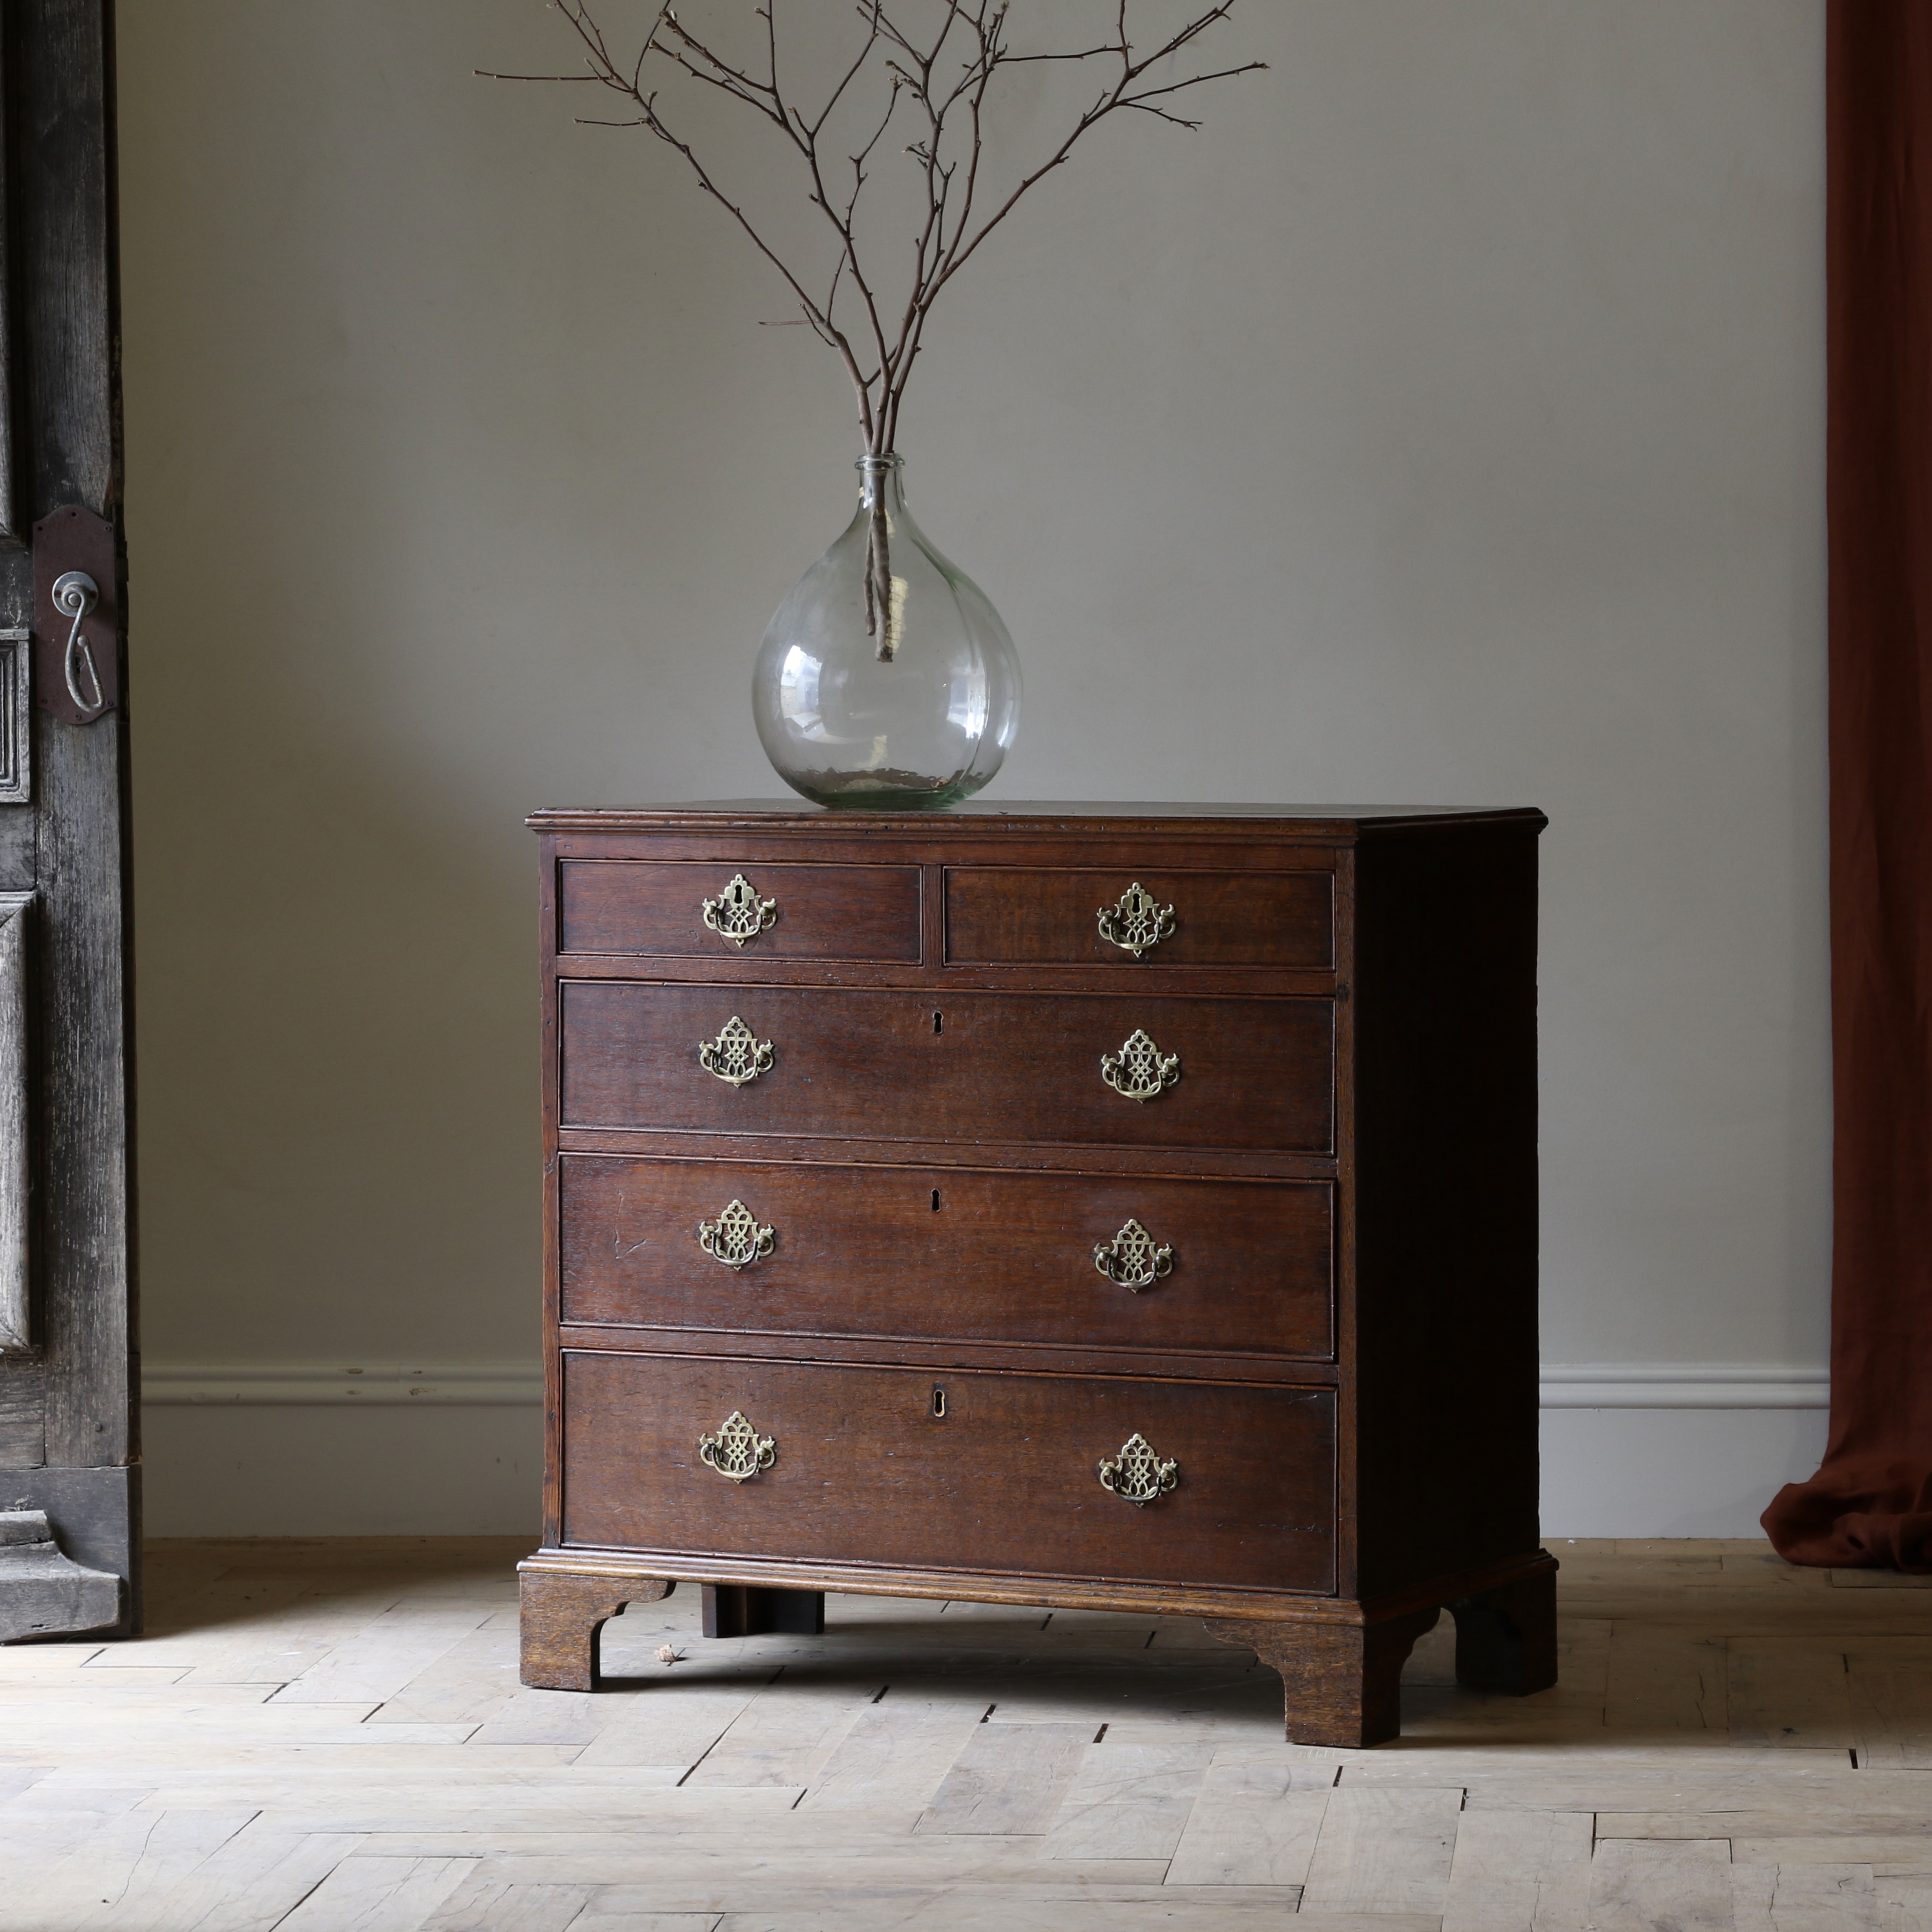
{"points": [[1871, 1502]]}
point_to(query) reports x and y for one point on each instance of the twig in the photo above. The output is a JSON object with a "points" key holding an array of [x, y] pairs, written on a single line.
{"points": [[947, 75]]}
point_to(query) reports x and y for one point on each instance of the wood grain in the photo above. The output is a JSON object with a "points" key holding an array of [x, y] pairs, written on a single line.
{"points": [[1519, 1871], [1341, 1682], [17, 1124], [63, 361], [945, 1254], [1350, 1144], [1384, 1851], [1634, 1888], [1249, 1825], [203, 1800], [991, 1067], [1008, 1780], [1762, 1709], [1024, 917], [561, 1619], [23, 1440], [824, 912], [862, 1462]]}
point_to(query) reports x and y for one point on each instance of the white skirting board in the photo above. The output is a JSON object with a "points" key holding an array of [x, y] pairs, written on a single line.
{"points": [[286, 1449]]}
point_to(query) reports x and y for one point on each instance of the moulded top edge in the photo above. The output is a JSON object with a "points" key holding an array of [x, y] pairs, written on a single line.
{"points": [[1020, 814]]}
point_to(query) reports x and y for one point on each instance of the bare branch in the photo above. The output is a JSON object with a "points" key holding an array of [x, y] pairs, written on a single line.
{"points": [[1194, 80], [946, 70]]}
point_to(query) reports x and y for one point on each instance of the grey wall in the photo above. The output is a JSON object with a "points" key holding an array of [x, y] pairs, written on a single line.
{"points": [[1442, 422]]}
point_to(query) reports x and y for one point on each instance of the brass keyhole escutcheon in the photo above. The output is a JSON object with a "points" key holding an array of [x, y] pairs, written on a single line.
{"points": [[737, 914], [1138, 922], [939, 1403]]}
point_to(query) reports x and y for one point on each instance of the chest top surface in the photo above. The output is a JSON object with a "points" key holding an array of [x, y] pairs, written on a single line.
{"points": [[979, 818]]}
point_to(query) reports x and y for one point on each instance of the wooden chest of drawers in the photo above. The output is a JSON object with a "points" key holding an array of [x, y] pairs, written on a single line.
{"points": [[1124, 1207]]}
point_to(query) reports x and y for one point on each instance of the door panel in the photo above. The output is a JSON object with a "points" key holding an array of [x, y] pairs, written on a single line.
{"points": [[68, 1444]]}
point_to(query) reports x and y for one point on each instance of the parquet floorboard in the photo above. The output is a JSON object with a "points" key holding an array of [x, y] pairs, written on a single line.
{"points": [[321, 1736]]}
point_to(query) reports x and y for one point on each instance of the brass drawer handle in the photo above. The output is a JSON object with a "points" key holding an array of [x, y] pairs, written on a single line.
{"points": [[1137, 1475], [1140, 1070], [735, 1238], [737, 1452], [1138, 922], [737, 914], [736, 1055], [1133, 1259]]}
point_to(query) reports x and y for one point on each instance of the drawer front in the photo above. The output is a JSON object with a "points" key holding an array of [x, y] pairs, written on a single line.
{"points": [[647, 908], [1005, 1480], [915, 1253], [997, 915], [1256, 1074]]}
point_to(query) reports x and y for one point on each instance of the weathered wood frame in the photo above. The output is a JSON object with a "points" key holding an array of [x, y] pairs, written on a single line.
{"points": [[16, 1134], [69, 1441], [16, 736]]}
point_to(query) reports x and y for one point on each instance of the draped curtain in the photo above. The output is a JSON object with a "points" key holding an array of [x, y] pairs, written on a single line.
{"points": [[1870, 1503]]}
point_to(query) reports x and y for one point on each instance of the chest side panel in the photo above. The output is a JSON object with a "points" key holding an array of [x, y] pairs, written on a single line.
{"points": [[1443, 1221]]}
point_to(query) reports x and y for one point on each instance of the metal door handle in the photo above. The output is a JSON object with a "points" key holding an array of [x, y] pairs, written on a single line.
{"points": [[75, 594]]}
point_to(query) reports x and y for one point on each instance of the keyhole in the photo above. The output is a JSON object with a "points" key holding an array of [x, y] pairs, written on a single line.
{"points": [[939, 1022], [939, 1402], [935, 1201]]}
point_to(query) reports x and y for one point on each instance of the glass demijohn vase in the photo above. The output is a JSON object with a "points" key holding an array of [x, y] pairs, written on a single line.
{"points": [[886, 680]]}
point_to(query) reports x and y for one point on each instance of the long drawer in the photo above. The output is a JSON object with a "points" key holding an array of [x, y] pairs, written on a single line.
{"points": [[1230, 1266], [1232, 1073], [1006, 1479]]}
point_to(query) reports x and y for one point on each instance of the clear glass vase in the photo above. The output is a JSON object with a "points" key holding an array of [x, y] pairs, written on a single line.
{"points": [[886, 680]]}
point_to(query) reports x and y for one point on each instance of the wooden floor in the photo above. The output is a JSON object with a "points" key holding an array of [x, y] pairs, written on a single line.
{"points": [[323, 1736]]}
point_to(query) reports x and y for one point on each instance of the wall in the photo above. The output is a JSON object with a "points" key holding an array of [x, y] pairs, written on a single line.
{"points": [[1442, 421]]}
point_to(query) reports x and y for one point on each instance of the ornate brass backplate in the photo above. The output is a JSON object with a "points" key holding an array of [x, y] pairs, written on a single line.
{"points": [[1138, 921], [1140, 1070], [737, 914], [738, 1452], [1133, 1259], [735, 1238], [736, 1055], [1137, 1475]]}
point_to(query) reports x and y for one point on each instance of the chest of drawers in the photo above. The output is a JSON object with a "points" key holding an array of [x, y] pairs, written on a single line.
{"points": [[1121, 1207]]}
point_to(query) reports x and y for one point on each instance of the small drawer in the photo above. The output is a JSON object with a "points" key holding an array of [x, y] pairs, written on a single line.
{"points": [[1225, 1266], [997, 915], [678, 910], [945, 1469], [987, 1067]]}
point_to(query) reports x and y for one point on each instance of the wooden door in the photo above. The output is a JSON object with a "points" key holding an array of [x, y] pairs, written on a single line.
{"points": [[68, 1445]]}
